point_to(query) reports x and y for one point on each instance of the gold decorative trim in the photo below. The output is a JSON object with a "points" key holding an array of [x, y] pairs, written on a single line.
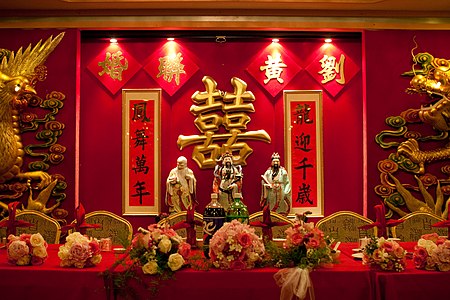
{"points": [[235, 22], [182, 216], [347, 213], [92, 214], [179, 214], [35, 229], [418, 215]]}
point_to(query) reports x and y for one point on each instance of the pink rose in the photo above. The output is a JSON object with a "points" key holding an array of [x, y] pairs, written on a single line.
{"points": [[17, 249], [398, 252], [184, 250], [25, 237], [312, 244], [94, 246], [419, 262], [431, 236], [237, 265], [79, 252], [440, 241], [297, 238], [388, 246], [244, 239], [169, 232]]}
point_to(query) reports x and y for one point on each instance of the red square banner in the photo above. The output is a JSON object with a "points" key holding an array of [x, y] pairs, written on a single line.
{"points": [[114, 67], [171, 66], [273, 68], [332, 68]]}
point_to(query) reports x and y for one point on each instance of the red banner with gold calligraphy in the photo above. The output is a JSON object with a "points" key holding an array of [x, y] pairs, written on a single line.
{"points": [[303, 113], [141, 151]]}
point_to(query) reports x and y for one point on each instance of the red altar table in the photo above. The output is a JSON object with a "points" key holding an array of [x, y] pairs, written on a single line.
{"points": [[347, 280]]}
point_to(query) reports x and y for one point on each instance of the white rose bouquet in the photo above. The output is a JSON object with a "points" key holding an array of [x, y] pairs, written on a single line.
{"points": [[27, 249], [159, 249], [79, 251]]}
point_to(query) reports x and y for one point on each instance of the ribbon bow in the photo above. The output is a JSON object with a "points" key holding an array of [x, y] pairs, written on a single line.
{"points": [[80, 224], [189, 224], [381, 223], [11, 223], [445, 223], [294, 282], [267, 224]]}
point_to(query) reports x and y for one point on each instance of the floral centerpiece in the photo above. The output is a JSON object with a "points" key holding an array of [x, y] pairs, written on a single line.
{"points": [[27, 249], [235, 246], [159, 249], [79, 251], [306, 248], [384, 254], [432, 253]]}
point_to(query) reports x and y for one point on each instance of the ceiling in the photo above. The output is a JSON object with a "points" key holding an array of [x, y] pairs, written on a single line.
{"points": [[359, 13]]}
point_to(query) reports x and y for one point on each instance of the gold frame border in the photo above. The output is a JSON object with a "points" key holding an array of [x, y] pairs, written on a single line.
{"points": [[347, 212], [46, 217], [127, 95], [114, 216], [312, 96]]}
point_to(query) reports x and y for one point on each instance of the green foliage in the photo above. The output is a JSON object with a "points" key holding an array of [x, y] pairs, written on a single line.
{"points": [[297, 256]]}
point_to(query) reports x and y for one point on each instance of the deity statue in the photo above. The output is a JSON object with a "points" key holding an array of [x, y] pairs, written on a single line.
{"points": [[181, 187], [227, 180], [276, 188]]}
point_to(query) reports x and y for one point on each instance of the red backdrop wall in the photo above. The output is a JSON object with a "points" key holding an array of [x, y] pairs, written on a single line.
{"points": [[61, 77], [386, 54], [101, 135]]}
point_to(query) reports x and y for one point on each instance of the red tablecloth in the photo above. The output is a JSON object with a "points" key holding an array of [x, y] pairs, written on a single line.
{"points": [[412, 283], [347, 280], [50, 281]]}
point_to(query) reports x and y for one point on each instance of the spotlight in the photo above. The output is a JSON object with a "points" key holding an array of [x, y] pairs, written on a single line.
{"points": [[113, 40], [328, 40]]}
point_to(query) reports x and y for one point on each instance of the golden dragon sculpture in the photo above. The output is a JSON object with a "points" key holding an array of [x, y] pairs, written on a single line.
{"points": [[433, 80], [18, 72]]}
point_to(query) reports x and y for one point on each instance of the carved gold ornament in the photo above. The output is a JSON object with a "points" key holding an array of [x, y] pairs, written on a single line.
{"points": [[420, 138], [19, 72]]}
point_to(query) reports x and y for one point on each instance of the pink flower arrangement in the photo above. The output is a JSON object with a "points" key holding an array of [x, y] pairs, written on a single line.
{"points": [[27, 249], [304, 234], [305, 247], [384, 255], [159, 249], [235, 246], [79, 251], [432, 253]]}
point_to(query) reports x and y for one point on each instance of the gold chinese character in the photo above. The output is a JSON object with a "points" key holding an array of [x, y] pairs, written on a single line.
{"points": [[233, 116], [273, 68], [171, 66], [112, 65], [330, 68], [209, 100]]}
